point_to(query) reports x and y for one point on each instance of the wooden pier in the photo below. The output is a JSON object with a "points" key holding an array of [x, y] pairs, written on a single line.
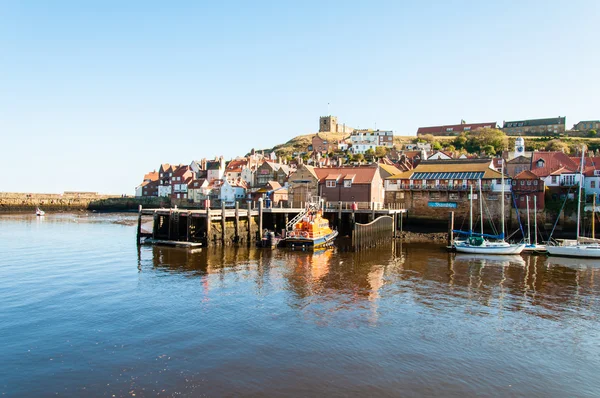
{"points": [[225, 226]]}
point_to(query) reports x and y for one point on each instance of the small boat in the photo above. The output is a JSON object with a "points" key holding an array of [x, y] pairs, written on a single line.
{"points": [[477, 243], [269, 240], [39, 212], [309, 230], [533, 248]]}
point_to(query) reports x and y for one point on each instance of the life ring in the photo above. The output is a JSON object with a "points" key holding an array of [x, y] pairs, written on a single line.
{"points": [[291, 234], [305, 234]]}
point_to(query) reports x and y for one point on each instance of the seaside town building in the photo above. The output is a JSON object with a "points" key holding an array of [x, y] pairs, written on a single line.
{"points": [[198, 190], [351, 184], [454, 129], [149, 185], [363, 140], [232, 191], [182, 176], [165, 172], [549, 126], [434, 187], [528, 184]]}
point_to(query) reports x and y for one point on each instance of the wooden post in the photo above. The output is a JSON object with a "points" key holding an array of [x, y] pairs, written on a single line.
{"points": [[189, 224], [223, 219], [249, 222], [260, 218], [155, 221], [139, 227], [401, 217], [339, 221], [208, 226], [450, 229], [372, 211], [170, 222], [237, 221], [395, 225]]}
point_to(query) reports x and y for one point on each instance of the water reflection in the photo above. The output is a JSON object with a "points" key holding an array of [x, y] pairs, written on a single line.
{"points": [[330, 281]]}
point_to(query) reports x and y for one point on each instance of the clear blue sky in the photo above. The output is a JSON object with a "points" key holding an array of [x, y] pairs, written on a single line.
{"points": [[95, 93]]}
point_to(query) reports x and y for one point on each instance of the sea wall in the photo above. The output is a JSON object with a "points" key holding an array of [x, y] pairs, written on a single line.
{"points": [[28, 202]]}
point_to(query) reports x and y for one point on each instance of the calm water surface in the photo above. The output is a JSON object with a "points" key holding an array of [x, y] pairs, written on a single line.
{"points": [[85, 313]]}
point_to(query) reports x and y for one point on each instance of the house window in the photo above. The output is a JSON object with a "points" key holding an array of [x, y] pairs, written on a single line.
{"points": [[592, 184], [522, 183], [535, 182], [514, 183], [528, 182], [330, 183], [554, 179], [347, 183], [540, 163]]}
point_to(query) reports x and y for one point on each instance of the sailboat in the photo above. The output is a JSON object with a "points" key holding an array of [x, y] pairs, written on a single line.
{"points": [[477, 242], [580, 246], [533, 247]]}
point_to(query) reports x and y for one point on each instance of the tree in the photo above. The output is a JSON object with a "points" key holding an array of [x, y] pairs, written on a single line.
{"points": [[489, 150], [450, 148], [436, 146], [369, 153], [479, 139], [380, 152], [558, 145], [428, 138], [358, 157], [592, 133], [460, 141]]}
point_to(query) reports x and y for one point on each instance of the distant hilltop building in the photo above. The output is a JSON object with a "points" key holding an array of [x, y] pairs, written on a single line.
{"points": [[555, 125], [329, 124], [454, 129], [587, 125]]}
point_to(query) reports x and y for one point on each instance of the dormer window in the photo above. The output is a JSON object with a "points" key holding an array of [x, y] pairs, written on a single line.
{"points": [[330, 184], [540, 163]]}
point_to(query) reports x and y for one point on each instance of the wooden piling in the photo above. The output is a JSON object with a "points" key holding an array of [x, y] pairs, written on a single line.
{"points": [[395, 225], [260, 219], [450, 228], [208, 226], [189, 225], [223, 220], [339, 220], [155, 222], [139, 226], [249, 222], [237, 222]]}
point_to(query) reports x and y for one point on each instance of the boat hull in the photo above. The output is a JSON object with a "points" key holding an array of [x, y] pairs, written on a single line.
{"points": [[535, 248], [579, 251], [309, 243], [490, 249]]}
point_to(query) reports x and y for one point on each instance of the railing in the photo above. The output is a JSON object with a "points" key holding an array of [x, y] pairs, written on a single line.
{"points": [[369, 235], [359, 205], [440, 187]]}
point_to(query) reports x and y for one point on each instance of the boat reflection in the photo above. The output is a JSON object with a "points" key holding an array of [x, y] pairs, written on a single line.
{"points": [[573, 262], [483, 259]]}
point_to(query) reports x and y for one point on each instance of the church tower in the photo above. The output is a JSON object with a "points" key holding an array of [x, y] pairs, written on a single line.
{"points": [[519, 147], [328, 124]]}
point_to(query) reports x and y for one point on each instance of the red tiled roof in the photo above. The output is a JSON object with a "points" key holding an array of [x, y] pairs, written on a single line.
{"points": [[456, 128], [553, 160], [152, 176], [526, 175], [363, 175]]}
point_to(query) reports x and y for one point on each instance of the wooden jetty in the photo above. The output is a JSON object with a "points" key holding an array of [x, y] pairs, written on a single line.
{"points": [[225, 226]]}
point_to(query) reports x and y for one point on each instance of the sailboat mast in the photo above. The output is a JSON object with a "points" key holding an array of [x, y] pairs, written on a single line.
{"points": [[471, 211], [594, 216], [528, 223], [535, 218], [502, 200], [579, 193], [481, 206]]}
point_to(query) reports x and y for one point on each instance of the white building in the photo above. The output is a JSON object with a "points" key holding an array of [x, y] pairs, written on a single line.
{"points": [[363, 140], [232, 191]]}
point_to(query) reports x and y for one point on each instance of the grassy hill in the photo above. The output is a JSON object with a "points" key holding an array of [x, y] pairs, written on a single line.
{"points": [[301, 142]]}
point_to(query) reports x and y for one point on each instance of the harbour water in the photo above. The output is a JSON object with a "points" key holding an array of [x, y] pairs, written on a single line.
{"points": [[85, 312]]}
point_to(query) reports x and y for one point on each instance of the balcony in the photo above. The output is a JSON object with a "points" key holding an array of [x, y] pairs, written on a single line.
{"points": [[442, 187]]}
